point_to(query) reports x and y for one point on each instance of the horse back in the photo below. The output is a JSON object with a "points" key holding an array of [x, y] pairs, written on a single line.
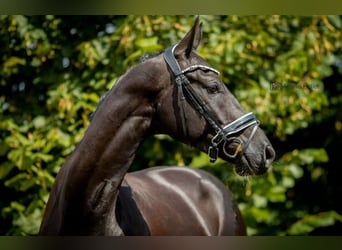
{"points": [[176, 201]]}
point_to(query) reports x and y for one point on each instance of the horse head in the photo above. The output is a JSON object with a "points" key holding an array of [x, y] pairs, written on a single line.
{"points": [[197, 108]]}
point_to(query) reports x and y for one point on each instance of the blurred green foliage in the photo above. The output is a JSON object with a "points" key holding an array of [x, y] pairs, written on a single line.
{"points": [[286, 69]]}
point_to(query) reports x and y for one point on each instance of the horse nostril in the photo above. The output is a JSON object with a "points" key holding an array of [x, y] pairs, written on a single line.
{"points": [[269, 155]]}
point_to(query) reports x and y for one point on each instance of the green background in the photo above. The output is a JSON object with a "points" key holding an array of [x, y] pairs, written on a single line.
{"points": [[286, 69]]}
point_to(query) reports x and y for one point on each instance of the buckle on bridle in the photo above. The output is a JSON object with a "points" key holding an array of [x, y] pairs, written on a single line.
{"points": [[213, 153]]}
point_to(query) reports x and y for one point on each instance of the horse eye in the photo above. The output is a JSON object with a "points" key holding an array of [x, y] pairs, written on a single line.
{"points": [[213, 89]]}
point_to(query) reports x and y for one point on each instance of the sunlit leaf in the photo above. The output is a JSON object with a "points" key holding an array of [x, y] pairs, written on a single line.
{"points": [[311, 222], [148, 44], [39, 122]]}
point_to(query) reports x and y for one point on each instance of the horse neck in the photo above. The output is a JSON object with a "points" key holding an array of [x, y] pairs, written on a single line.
{"points": [[88, 183], [110, 143]]}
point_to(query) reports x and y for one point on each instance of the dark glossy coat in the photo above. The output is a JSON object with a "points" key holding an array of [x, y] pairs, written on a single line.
{"points": [[93, 194]]}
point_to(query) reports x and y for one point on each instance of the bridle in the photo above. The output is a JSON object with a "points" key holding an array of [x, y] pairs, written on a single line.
{"points": [[224, 134]]}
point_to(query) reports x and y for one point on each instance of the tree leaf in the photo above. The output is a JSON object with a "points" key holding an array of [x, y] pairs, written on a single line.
{"points": [[310, 222]]}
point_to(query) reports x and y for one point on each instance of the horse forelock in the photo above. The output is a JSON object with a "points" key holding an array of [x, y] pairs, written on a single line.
{"points": [[142, 59]]}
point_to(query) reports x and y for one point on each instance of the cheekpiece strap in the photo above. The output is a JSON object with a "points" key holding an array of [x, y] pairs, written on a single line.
{"points": [[171, 61]]}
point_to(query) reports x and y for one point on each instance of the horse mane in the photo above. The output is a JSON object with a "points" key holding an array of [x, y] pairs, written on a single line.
{"points": [[103, 96], [142, 59], [147, 56]]}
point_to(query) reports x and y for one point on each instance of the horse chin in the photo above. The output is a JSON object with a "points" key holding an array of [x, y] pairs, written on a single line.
{"points": [[245, 166]]}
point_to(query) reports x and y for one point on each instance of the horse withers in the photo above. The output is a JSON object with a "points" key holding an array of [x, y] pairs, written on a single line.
{"points": [[176, 93]]}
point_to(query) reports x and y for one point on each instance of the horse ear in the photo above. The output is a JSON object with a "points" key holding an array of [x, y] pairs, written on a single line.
{"points": [[191, 40]]}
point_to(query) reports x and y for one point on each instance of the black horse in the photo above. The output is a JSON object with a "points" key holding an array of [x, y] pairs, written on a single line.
{"points": [[175, 93]]}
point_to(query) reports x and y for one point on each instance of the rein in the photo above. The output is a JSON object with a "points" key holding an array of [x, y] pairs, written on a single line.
{"points": [[224, 135]]}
